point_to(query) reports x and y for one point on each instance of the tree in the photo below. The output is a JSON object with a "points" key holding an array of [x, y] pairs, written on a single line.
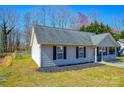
{"points": [[39, 15], [115, 24], [92, 15], [5, 33], [52, 15], [94, 27], [59, 16], [99, 28], [27, 28], [122, 34], [11, 18], [17, 40], [78, 20]]}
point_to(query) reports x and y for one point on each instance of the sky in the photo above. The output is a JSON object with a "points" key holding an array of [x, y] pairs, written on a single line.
{"points": [[103, 12]]}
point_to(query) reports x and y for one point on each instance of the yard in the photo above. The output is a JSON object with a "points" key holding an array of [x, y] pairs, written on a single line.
{"points": [[22, 72]]}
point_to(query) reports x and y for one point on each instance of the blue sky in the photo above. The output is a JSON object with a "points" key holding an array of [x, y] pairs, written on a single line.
{"points": [[105, 12]]}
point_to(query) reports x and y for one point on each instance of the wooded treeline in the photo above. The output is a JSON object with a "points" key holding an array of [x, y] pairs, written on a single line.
{"points": [[15, 28]]}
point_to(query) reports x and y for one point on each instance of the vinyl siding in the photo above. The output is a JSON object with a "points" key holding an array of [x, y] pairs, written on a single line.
{"points": [[107, 42], [109, 57], [36, 52], [70, 56]]}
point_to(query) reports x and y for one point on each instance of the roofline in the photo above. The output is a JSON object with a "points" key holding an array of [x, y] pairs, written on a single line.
{"points": [[63, 28], [121, 41], [56, 27], [113, 40], [66, 45]]}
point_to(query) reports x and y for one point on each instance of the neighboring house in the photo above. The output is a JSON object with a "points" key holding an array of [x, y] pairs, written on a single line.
{"points": [[54, 46], [121, 48]]}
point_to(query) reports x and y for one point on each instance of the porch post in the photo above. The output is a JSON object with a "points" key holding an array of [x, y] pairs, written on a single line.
{"points": [[115, 52], [95, 54], [107, 50], [102, 54]]}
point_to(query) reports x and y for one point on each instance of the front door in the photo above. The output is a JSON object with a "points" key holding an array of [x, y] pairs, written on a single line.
{"points": [[99, 54]]}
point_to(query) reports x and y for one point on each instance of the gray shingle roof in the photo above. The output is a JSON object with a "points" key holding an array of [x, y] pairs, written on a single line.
{"points": [[96, 39], [121, 40], [48, 35]]}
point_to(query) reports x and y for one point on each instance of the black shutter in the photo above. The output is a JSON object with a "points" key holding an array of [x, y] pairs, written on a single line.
{"points": [[84, 52], [77, 50], [54, 52], [64, 52]]}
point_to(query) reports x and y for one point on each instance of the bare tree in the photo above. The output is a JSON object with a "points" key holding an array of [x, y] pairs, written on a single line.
{"points": [[115, 24], [5, 33], [17, 42], [63, 16], [52, 15], [92, 15], [27, 28], [11, 18], [78, 20], [59, 16], [39, 15]]}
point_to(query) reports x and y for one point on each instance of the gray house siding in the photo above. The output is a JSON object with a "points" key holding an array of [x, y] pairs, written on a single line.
{"points": [[109, 57], [36, 51], [43, 39], [47, 56]]}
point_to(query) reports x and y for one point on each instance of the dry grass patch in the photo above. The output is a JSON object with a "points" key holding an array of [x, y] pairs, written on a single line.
{"points": [[7, 60], [23, 73]]}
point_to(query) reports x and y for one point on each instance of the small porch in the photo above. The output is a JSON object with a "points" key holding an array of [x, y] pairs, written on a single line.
{"points": [[106, 48], [105, 53]]}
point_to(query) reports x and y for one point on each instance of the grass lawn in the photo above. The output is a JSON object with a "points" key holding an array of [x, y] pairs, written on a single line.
{"points": [[120, 58], [23, 72]]}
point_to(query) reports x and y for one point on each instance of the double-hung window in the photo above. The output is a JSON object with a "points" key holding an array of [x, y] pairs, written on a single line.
{"points": [[59, 52], [81, 51]]}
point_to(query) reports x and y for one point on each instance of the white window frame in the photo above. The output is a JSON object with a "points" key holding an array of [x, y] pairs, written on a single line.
{"points": [[59, 52], [81, 52]]}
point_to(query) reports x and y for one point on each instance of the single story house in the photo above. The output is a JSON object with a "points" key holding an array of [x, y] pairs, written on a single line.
{"points": [[121, 46], [56, 46]]}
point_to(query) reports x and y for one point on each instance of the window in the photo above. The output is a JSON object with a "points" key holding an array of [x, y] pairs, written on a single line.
{"points": [[81, 51], [59, 52], [111, 50], [104, 50]]}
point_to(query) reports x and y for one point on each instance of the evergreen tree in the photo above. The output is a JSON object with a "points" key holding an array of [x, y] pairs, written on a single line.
{"points": [[122, 34], [99, 28]]}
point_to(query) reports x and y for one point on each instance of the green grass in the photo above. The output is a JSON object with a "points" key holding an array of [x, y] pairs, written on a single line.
{"points": [[23, 73], [120, 58]]}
